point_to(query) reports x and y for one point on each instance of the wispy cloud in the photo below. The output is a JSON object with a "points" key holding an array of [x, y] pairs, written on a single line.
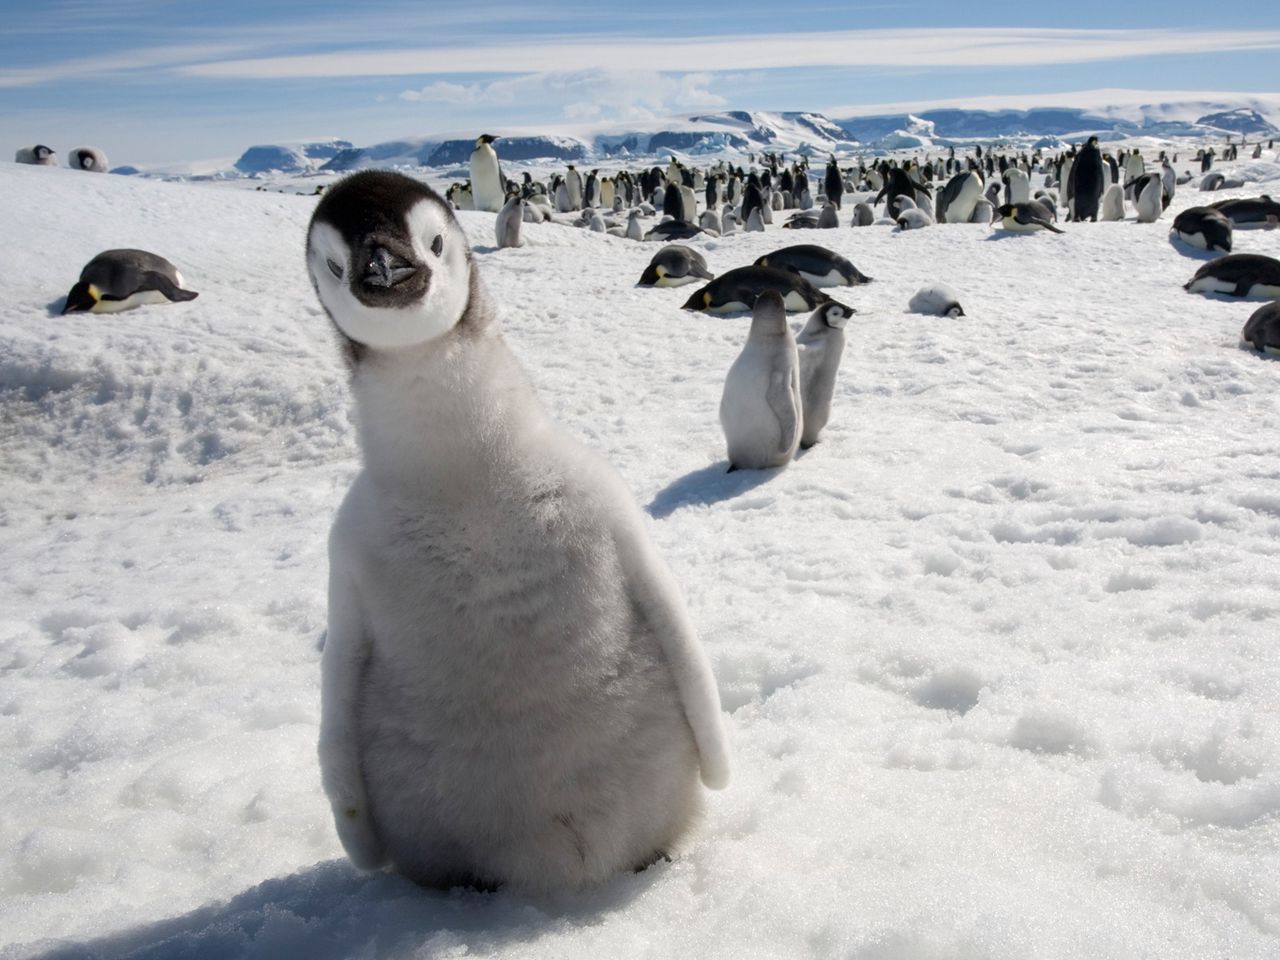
{"points": [[116, 63], [583, 94], [947, 47]]}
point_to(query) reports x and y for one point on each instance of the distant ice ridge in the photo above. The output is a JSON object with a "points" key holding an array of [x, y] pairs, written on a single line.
{"points": [[749, 131]]}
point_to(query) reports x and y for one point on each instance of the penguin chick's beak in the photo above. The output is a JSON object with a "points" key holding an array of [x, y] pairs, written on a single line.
{"points": [[385, 269]]}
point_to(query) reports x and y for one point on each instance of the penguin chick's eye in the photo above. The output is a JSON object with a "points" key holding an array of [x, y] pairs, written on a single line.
{"points": [[334, 268], [437, 245]]}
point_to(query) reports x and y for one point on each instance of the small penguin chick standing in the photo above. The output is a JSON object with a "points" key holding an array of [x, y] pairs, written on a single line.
{"points": [[507, 223], [760, 408], [512, 692], [821, 347], [936, 299], [117, 280]]}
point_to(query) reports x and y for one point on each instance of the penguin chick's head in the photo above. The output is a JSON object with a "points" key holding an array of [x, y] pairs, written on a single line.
{"points": [[836, 314], [83, 297], [389, 262]]}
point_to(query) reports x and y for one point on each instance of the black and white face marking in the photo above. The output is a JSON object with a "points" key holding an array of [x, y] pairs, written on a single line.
{"points": [[388, 261], [837, 315]]}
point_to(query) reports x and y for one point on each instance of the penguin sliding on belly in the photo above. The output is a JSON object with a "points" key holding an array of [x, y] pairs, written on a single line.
{"points": [[1262, 331], [818, 265], [737, 290], [1248, 275], [675, 265], [117, 280], [1203, 227], [511, 689]]}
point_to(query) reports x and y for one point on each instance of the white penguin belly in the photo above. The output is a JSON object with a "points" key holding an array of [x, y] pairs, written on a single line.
{"points": [[832, 278], [667, 280], [518, 723], [129, 302], [1264, 291], [1195, 239]]}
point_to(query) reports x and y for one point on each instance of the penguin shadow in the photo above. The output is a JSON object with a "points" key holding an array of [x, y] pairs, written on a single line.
{"points": [[1192, 252], [332, 911], [56, 307], [706, 486], [485, 249]]}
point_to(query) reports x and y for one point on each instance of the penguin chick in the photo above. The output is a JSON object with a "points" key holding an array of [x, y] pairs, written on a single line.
{"points": [[512, 692], [821, 347], [760, 408], [936, 299]]}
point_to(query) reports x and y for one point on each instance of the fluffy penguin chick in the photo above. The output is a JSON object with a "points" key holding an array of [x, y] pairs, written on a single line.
{"points": [[760, 408], [512, 692], [821, 347], [936, 299]]}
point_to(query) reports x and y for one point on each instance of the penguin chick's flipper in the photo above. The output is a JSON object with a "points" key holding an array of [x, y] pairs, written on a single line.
{"points": [[172, 292], [656, 595], [346, 650], [781, 399]]}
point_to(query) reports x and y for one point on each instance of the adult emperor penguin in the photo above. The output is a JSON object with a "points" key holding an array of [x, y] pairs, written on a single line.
{"points": [[818, 265], [833, 183], [118, 280], [512, 692], [1087, 182], [1204, 227], [508, 222], [737, 289], [39, 154], [1262, 330], [760, 409], [675, 265], [1025, 218], [821, 346], [957, 199], [1248, 212], [486, 179], [1238, 275]]}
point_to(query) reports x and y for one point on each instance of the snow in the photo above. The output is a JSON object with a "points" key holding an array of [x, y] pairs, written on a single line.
{"points": [[999, 652]]}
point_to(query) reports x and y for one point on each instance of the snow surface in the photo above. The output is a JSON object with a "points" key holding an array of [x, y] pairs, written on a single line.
{"points": [[1000, 652]]}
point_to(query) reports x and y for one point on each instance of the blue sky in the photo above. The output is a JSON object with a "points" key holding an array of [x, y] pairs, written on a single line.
{"points": [[165, 81]]}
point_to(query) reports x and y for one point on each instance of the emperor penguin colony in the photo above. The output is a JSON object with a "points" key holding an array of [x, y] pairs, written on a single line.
{"points": [[513, 693], [498, 620]]}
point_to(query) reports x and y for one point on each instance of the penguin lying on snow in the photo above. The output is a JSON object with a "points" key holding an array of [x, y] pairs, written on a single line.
{"points": [[512, 692], [1262, 331], [818, 265], [673, 230], [936, 299], [87, 158], [1250, 211], [1025, 218], [1204, 227], [38, 154], [736, 290], [118, 280], [1248, 275], [675, 265]]}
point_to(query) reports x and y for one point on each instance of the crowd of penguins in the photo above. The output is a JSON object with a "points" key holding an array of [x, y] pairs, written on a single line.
{"points": [[778, 393]]}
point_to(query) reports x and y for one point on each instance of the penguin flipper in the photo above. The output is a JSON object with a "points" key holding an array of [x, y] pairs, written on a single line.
{"points": [[172, 292], [346, 650], [656, 595], [781, 397]]}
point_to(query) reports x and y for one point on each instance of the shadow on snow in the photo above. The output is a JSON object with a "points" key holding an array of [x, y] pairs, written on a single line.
{"points": [[706, 486]]}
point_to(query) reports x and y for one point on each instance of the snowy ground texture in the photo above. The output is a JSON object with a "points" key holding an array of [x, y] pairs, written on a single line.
{"points": [[1002, 652]]}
